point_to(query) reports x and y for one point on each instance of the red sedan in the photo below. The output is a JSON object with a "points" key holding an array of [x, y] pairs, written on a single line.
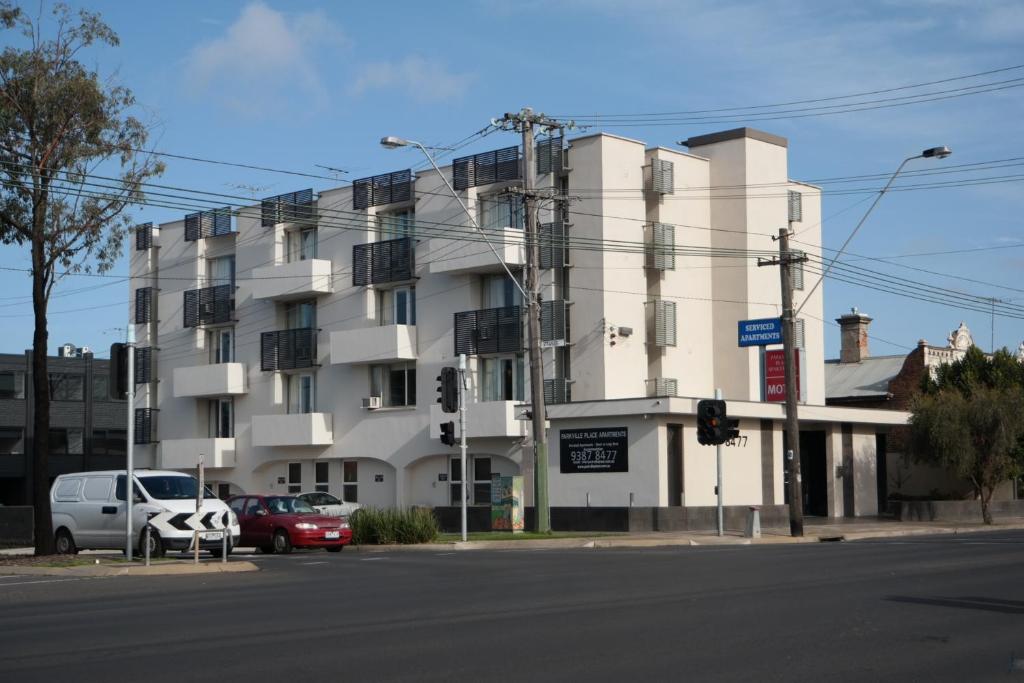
{"points": [[276, 524]]}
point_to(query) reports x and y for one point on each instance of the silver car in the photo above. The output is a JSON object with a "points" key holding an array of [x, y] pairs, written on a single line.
{"points": [[326, 504]]}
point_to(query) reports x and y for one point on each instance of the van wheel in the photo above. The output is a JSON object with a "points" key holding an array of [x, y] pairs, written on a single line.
{"points": [[282, 544], [64, 543], [156, 544]]}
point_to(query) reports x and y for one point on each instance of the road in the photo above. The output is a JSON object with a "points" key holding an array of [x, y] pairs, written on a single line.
{"points": [[934, 608]]}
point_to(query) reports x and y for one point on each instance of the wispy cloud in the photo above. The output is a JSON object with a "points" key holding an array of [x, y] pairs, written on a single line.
{"points": [[263, 63], [422, 79]]}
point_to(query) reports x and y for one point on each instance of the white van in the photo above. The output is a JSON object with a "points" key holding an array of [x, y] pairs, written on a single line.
{"points": [[88, 511]]}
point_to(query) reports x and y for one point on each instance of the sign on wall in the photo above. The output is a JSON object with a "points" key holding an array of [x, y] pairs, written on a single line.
{"points": [[506, 503], [775, 375], [584, 451], [760, 332]]}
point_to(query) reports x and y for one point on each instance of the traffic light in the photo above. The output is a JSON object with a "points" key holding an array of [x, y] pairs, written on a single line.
{"points": [[448, 388], [448, 433], [713, 427], [118, 371]]}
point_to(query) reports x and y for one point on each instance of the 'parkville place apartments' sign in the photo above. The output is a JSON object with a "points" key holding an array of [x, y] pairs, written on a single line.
{"points": [[593, 450], [760, 332], [775, 375]]}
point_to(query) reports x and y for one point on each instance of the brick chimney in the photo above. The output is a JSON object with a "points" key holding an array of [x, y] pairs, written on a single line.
{"points": [[854, 336]]}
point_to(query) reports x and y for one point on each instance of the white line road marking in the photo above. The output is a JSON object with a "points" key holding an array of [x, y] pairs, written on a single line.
{"points": [[442, 554], [25, 583], [372, 559], [309, 563]]}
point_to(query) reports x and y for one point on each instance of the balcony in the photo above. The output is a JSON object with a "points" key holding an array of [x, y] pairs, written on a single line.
{"points": [[489, 330], [388, 188], [490, 419], [183, 454], [295, 280], [474, 256], [210, 223], [297, 208], [209, 306], [300, 429], [378, 263], [288, 349], [381, 344], [218, 379]]}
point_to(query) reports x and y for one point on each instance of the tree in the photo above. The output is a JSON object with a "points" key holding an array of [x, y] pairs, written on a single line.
{"points": [[970, 421], [60, 127]]}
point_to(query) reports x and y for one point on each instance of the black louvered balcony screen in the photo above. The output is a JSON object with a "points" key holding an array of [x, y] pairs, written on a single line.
{"points": [[486, 168], [554, 245], [143, 364], [557, 390], [212, 223], [376, 263], [288, 349], [144, 298], [489, 330], [549, 155], [291, 207], [145, 425], [553, 322], [387, 188], [209, 305], [143, 236]]}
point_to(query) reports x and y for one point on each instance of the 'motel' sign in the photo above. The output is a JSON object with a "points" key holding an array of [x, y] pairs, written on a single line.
{"points": [[775, 375]]}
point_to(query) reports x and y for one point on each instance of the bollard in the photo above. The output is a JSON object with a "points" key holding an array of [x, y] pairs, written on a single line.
{"points": [[753, 522], [147, 544], [224, 546]]}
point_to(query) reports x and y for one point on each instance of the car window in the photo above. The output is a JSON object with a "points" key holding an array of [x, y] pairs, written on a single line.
{"points": [[282, 505], [170, 487], [316, 499], [252, 505], [328, 499], [97, 488], [68, 489], [237, 505]]}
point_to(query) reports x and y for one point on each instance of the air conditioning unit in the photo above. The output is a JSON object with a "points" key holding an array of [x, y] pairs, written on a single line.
{"points": [[372, 402]]}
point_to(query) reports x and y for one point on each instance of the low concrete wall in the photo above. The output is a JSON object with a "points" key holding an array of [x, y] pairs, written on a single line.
{"points": [[703, 518], [16, 526], [955, 510]]}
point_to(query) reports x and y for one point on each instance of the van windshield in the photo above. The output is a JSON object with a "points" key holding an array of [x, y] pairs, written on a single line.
{"points": [[168, 487]]}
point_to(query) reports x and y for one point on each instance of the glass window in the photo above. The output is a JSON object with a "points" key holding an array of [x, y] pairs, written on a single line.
{"points": [[294, 477], [171, 487], [223, 491], [302, 393], [498, 212], [395, 384], [499, 291], [252, 506], [503, 378], [100, 388], [237, 505], [12, 384], [301, 244], [222, 345], [301, 314], [396, 306], [322, 471], [222, 418], [12, 441], [97, 488], [350, 481], [221, 270], [119, 488], [66, 386], [392, 226]]}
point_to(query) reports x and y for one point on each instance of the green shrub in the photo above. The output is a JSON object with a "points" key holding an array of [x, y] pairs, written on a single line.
{"points": [[386, 526]]}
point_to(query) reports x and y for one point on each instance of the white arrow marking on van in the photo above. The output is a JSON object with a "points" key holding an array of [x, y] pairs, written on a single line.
{"points": [[161, 522]]}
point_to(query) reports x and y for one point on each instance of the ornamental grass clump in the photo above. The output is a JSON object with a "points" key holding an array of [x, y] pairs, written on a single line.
{"points": [[389, 526]]}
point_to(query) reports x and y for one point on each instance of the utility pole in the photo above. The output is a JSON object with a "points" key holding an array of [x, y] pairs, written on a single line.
{"points": [[525, 121], [796, 501], [129, 479], [463, 449]]}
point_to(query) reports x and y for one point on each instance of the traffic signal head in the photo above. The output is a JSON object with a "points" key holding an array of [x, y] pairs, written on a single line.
{"points": [[118, 371], [448, 388], [448, 433], [712, 424]]}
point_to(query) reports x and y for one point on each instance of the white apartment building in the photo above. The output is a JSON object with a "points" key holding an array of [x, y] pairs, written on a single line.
{"points": [[294, 344]]}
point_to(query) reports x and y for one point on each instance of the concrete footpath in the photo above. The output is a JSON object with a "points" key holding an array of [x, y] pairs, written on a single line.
{"points": [[104, 566]]}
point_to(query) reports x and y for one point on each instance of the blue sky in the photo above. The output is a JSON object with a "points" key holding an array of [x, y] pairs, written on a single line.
{"points": [[297, 84]]}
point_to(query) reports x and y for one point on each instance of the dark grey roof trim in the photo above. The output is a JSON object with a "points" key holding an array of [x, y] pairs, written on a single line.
{"points": [[736, 134]]}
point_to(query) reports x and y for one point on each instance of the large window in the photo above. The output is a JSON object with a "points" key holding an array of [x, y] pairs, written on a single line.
{"points": [[301, 314], [479, 471], [500, 291], [222, 418], [295, 477], [392, 226], [502, 378], [222, 345], [350, 481], [12, 441], [66, 386], [66, 442], [498, 212], [221, 271], [301, 244], [12, 384], [302, 393], [322, 471], [396, 306], [100, 387], [395, 384], [109, 442]]}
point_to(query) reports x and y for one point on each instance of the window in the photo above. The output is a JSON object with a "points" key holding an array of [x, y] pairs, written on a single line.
{"points": [[479, 490], [66, 442], [300, 314], [222, 345], [237, 505], [499, 291], [498, 212], [100, 387], [301, 393], [301, 244], [109, 442], [502, 378], [12, 441], [322, 472], [119, 489], [66, 387], [222, 418], [396, 306], [395, 384], [224, 491], [252, 506], [350, 481], [295, 477], [221, 271], [97, 488], [12, 384], [392, 226]]}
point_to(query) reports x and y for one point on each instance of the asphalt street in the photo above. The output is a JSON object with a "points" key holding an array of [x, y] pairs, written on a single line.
{"points": [[932, 608]]}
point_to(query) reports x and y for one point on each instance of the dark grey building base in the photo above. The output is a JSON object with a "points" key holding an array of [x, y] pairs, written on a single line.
{"points": [[955, 510], [622, 518], [16, 526]]}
